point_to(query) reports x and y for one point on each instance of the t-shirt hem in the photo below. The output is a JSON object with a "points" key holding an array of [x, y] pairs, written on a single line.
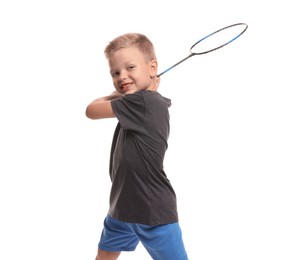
{"points": [[150, 222]]}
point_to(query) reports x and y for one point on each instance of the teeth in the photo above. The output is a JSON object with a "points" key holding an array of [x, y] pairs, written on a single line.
{"points": [[125, 85]]}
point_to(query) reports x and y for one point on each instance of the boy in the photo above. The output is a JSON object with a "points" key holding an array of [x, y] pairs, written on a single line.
{"points": [[143, 203]]}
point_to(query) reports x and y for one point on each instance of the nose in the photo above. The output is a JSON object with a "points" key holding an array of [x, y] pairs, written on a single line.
{"points": [[123, 75]]}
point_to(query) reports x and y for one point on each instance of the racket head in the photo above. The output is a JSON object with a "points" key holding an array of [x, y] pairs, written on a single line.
{"points": [[218, 39]]}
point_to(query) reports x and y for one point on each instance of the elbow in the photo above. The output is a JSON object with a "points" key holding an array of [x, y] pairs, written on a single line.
{"points": [[89, 113], [99, 111]]}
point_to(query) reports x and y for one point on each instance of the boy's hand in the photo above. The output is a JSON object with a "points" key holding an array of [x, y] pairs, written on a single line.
{"points": [[114, 94], [157, 83], [158, 80]]}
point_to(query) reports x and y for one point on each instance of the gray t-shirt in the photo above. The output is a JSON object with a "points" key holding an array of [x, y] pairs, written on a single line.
{"points": [[141, 192]]}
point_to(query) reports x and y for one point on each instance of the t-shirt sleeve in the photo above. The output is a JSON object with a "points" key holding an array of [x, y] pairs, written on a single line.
{"points": [[130, 111]]}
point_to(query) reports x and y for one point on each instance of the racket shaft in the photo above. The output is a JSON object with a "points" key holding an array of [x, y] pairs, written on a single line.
{"points": [[168, 69]]}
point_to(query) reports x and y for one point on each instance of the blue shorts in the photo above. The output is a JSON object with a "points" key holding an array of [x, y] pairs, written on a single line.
{"points": [[163, 242]]}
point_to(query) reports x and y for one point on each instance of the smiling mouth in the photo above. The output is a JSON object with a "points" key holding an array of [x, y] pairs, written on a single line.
{"points": [[125, 86]]}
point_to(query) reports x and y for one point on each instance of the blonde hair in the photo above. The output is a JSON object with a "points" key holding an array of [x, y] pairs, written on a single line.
{"points": [[140, 41]]}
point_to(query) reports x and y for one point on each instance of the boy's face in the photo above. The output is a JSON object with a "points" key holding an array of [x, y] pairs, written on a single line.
{"points": [[131, 72]]}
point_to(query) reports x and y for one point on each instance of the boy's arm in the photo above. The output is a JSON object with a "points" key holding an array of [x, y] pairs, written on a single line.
{"points": [[101, 107]]}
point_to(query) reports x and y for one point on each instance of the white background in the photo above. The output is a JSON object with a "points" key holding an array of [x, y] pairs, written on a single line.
{"points": [[228, 150]]}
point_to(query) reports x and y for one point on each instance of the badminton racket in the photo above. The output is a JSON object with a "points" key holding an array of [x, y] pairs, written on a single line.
{"points": [[213, 41]]}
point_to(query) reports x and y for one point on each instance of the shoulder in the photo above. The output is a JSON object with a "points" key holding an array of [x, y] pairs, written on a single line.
{"points": [[142, 98], [153, 95], [156, 99]]}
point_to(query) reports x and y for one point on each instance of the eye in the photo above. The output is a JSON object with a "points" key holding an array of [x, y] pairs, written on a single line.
{"points": [[131, 67], [114, 74]]}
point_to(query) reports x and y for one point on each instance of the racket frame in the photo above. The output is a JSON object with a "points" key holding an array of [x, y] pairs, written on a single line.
{"points": [[210, 50]]}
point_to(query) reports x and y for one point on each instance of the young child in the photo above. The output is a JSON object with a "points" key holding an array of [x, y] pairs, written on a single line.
{"points": [[143, 203]]}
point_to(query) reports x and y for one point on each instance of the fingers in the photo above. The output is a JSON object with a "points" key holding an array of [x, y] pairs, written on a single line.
{"points": [[157, 81]]}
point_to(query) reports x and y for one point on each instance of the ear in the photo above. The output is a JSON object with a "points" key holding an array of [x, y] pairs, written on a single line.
{"points": [[153, 68]]}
